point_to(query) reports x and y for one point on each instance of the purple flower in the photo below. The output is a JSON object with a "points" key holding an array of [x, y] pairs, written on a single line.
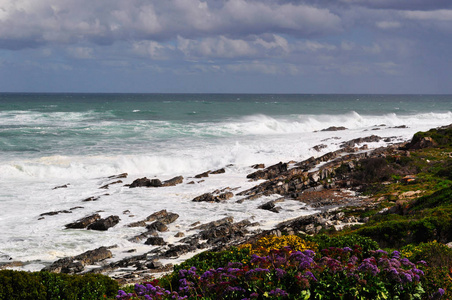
{"points": [[379, 251], [309, 274], [254, 295], [396, 254], [406, 262], [347, 249], [280, 273], [278, 293]]}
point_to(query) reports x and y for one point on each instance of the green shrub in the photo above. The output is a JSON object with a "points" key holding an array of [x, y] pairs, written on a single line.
{"points": [[51, 286]]}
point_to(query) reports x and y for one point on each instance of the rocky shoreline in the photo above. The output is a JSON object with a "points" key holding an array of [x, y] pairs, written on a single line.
{"points": [[322, 183]]}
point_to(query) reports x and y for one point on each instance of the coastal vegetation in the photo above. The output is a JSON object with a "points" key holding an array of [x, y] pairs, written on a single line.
{"points": [[400, 252]]}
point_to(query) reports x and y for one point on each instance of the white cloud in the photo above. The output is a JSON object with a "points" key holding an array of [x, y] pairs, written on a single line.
{"points": [[36, 22], [220, 47]]}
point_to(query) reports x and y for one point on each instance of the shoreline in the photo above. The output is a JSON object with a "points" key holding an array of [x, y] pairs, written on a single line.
{"points": [[313, 171]]}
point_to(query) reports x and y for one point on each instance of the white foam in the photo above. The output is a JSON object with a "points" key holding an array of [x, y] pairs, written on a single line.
{"points": [[26, 183]]}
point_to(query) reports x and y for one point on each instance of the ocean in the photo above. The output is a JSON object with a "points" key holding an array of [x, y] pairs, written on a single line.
{"points": [[78, 140]]}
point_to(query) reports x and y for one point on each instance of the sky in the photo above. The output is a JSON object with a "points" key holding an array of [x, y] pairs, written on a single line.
{"points": [[226, 46]]}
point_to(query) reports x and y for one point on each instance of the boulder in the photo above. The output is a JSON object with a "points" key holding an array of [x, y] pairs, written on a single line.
{"points": [[84, 222], [334, 128], [219, 171], [140, 182], [173, 181], [157, 225], [269, 173], [205, 174], [421, 142], [104, 224], [155, 241], [207, 197]]}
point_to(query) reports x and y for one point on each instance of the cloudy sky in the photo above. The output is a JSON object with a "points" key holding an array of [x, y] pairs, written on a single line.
{"points": [[226, 46]]}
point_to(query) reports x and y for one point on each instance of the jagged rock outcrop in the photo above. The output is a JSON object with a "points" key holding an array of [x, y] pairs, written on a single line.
{"points": [[104, 224], [76, 264], [269, 173], [83, 222]]}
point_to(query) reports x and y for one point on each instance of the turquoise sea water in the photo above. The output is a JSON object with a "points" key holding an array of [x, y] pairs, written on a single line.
{"points": [[49, 140]]}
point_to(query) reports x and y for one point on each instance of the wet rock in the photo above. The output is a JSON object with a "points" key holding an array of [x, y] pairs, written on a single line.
{"points": [[154, 265], [207, 197], [61, 186], [219, 171], [173, 181], [122, 175], [52, 213], [269, 173], [92, 198], [223, 221], [72, 265], [84, 222], [205, 174], [157, 225], [107, 185], [319, 147], [155, 241], [368, 139], [334, 128], [145, 182], [104, 224]]}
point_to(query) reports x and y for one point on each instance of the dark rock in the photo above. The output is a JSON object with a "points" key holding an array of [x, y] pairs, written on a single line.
{"points": [[93, 256], [61, 186], [52, 213], [157, 225], [71, 265], [84, 222], [207, 197], [258, 166], [225, 196], [205, 174], [145, 182], [319, 147], [269, 173], [191, 182], [76, 207], [179, 234], [155, 241], [104, 224], [173, 181], [419, 142], [178, 250], [368, 139], [140, 182], [92, 198], [107, 185], [214, 223], [219, 171], [122, 175], [155, 183], [154, 265], [334, 128]]}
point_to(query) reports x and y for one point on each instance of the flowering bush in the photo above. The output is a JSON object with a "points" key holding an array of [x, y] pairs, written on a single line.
{"points": [[289, 274], [272, 242]]}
